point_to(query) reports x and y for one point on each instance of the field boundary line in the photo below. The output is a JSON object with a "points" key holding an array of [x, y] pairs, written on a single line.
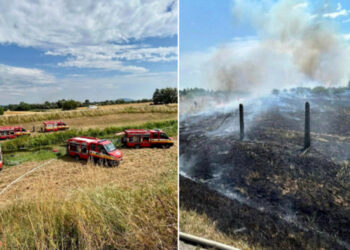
{"points": [[30, 171]]}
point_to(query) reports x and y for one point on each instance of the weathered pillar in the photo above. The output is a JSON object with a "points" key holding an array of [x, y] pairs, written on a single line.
{"points": [[241, 122], [307, 137]]}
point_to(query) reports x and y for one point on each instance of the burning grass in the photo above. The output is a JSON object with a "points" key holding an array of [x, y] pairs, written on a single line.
{"points": [[77, 205]]}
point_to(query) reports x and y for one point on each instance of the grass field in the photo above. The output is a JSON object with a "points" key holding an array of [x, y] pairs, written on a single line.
{"points": [[69, 204], [108, 120], [30, 118], [77, 205], [201, 225]]}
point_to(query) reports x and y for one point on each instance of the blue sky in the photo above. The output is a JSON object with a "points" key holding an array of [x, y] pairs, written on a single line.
{"points": [[94, 50], [210, 29]]}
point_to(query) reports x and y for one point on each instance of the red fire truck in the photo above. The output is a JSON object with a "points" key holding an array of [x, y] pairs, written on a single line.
{"points": [[90, 148], [11, 132], [0, 159], [146, 138], [50, 126]]}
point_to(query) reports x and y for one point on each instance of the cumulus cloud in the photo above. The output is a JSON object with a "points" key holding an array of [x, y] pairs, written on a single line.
{"points": [[15, 76], [109, 56], [63, 23], [87, 30]]}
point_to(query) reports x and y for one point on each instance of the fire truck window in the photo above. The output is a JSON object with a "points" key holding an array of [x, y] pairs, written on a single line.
{"points": [[130, 139], [73, 147], [146, 138], [136, 139], [23, 130], [155, 135], [99, 147], [83, 149], [93, 147], [164, 136], [12, 132]]}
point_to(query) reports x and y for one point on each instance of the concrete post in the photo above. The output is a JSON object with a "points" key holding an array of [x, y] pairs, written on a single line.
{"points": [[241, 122], [307, 137]]}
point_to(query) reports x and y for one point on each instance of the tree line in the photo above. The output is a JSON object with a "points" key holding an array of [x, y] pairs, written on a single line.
{"points": [[160, 96]]}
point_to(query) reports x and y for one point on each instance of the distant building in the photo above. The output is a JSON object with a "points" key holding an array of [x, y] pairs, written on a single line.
{"points": [[92, 107]]}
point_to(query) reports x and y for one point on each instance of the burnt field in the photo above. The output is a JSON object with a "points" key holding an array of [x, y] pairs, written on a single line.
{"points": [[276, 194]]}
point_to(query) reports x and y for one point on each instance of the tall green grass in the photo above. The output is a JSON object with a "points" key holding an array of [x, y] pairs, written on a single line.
{"points": [[30, 142], [105, 217]]}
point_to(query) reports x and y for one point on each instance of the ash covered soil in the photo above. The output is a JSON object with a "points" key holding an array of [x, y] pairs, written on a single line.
{"points": [[282, 195]]}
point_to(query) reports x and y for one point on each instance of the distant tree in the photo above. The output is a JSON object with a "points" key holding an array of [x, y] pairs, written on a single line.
{"points": [[23, 107], [320, 90], [70, 104], [156, 97], [167, 95], [86, 103], [2, 111], [275, 91]]}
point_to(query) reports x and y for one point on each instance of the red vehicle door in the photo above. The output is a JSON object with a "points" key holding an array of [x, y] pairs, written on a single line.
{"points": [[84, 151], [146, 140], [11, 134], [155, 138]]}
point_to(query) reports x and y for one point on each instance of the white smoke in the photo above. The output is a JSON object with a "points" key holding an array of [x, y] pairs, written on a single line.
{"points": [[294, 47]]}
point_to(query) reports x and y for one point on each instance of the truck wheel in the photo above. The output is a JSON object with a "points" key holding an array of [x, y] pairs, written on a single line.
{"points": [[137, 146]]}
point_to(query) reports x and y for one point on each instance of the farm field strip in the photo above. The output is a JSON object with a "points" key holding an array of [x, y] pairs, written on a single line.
{"points": [[63, 176], [55, 115]]}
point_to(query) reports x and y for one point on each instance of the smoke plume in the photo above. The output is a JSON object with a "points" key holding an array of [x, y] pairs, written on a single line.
{"points": [[293, 47]]}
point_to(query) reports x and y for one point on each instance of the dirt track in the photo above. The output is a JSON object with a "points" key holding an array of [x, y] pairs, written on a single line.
{"points": [[63, 176]]}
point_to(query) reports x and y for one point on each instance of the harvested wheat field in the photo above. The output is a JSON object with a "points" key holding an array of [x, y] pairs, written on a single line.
{"points": [[81, 205], [104, 121]]}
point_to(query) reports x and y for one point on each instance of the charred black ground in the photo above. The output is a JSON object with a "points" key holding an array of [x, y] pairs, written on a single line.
{"points": [[267, 183]]}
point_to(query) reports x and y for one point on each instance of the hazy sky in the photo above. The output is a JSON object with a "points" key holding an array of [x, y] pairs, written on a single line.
{"points": [[230, 30], [97, 50]]}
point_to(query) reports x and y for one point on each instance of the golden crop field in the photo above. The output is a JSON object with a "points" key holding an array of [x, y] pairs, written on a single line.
{"points": [[133, 205], [120, 114]]}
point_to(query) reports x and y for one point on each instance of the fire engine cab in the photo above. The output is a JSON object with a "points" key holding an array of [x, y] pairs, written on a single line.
{"points": [[50, 126], [89, 148], [146, 138], [11, 132], [0, 159]]}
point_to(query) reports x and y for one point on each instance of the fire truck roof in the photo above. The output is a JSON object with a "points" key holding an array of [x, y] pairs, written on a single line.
{"points": [[85, 139], [9, 127], [142, 131], [51, 122]]}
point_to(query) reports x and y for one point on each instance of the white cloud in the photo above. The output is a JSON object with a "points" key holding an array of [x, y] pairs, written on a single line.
{"points": [[339, 7], [17, 76], [336, 14], [60, 23], [301, 5], [87, 29], [109, 56]]}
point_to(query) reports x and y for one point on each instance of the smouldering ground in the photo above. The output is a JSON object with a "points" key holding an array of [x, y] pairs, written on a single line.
{"points": [[282, 196]]}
